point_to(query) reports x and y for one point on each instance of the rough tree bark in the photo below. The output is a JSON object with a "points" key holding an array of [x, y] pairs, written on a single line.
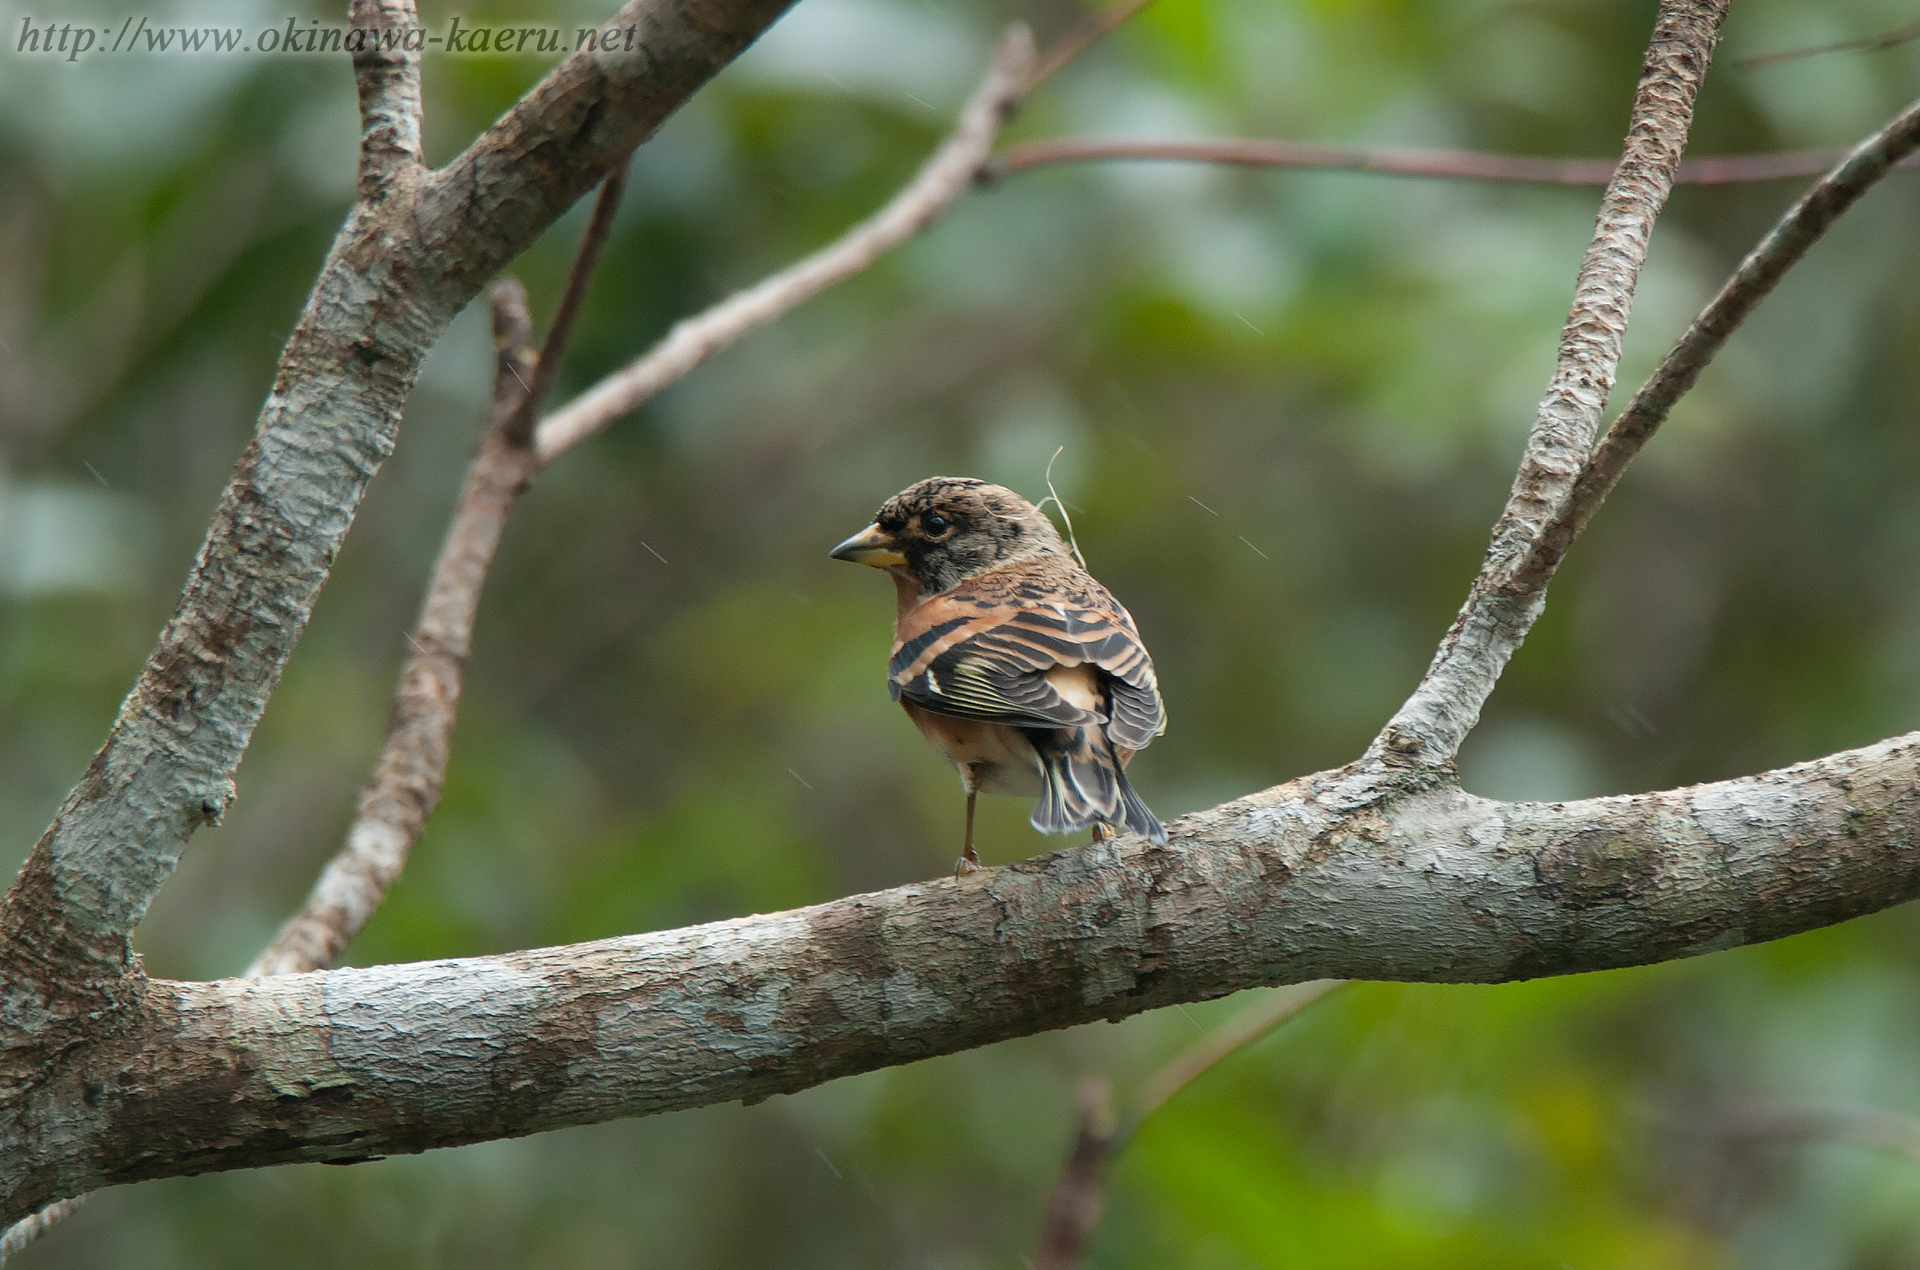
{"points": [[1380, 870]]}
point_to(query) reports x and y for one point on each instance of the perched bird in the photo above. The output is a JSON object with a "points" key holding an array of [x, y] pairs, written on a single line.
{"points": [[1011, 659]]}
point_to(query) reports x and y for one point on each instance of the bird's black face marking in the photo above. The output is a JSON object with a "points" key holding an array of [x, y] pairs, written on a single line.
{"points": [[952, 527]]}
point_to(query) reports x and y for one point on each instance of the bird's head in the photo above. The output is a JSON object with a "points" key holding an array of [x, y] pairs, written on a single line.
{"points": [[948, 528]]}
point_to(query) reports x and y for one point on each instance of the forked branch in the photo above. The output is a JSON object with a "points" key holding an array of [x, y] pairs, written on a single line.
{"points": [[1783, 247], [395, 276], [1427, 731]]}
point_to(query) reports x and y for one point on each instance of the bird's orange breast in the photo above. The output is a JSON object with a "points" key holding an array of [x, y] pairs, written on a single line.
{"points": [[991, 758]]}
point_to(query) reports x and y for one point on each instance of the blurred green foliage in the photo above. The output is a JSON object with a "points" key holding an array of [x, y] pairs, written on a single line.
{"points": [[1290, 405]]}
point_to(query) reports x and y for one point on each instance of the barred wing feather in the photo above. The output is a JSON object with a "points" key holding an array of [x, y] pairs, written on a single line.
{"points": [[976, 660]]}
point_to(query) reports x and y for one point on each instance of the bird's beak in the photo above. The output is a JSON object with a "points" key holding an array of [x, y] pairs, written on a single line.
{"points": [[872, 545]]}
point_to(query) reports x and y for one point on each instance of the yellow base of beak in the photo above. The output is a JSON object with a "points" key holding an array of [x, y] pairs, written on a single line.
{"points": [[871, 546]]}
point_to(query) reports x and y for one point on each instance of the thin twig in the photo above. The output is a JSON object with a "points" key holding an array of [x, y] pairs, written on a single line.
{"points": [[28, 1229], [1076, 41], [518, 429], [1465, 165], [1078, 1195], [1238, 1032], [939, 183], [1871, 43], [386, 75], [1428, 729], [1783, 247], [1869, 1127], [407, 777]]}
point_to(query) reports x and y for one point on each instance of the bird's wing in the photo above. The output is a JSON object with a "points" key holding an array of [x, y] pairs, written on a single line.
{"points": [[985, 650]]}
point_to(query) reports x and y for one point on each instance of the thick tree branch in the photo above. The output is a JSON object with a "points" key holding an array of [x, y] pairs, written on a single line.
{"points": [[1464, 165], [1331, 876], [1783, 247], [934, 189], [1428, 729], [386, 74]]}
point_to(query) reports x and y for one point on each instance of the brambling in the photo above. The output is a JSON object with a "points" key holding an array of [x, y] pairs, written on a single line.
{"points": [[1011, 659]]}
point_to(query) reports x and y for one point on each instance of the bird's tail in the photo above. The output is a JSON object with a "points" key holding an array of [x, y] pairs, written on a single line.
{"points": [[1084, 783]]}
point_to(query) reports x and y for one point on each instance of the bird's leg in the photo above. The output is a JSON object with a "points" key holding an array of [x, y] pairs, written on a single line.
{"points": [[1101, 832], [969, 859]]}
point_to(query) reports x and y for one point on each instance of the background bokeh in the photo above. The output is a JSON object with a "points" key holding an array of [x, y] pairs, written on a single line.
{"points": [[1290, 406]]}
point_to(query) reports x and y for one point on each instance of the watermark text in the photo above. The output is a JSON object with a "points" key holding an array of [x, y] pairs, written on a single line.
{"points": [[138, 34]]}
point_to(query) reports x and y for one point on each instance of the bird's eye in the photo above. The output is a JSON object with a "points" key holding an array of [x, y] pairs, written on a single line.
{"points": [[934, 523]]}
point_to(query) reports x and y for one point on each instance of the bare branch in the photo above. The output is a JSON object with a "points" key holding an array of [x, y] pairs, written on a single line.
{"points": [[28, 1229], [407, 778], [1465, 165], [1320, 878], [939, 183], [1428, 728], [1872, 43], [1870, 1127], [514, 361], [1080, 38], [1783, 247], [518, 428], [386, 74], [485, 207], [1238, 1032], [1079, 1193]]}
